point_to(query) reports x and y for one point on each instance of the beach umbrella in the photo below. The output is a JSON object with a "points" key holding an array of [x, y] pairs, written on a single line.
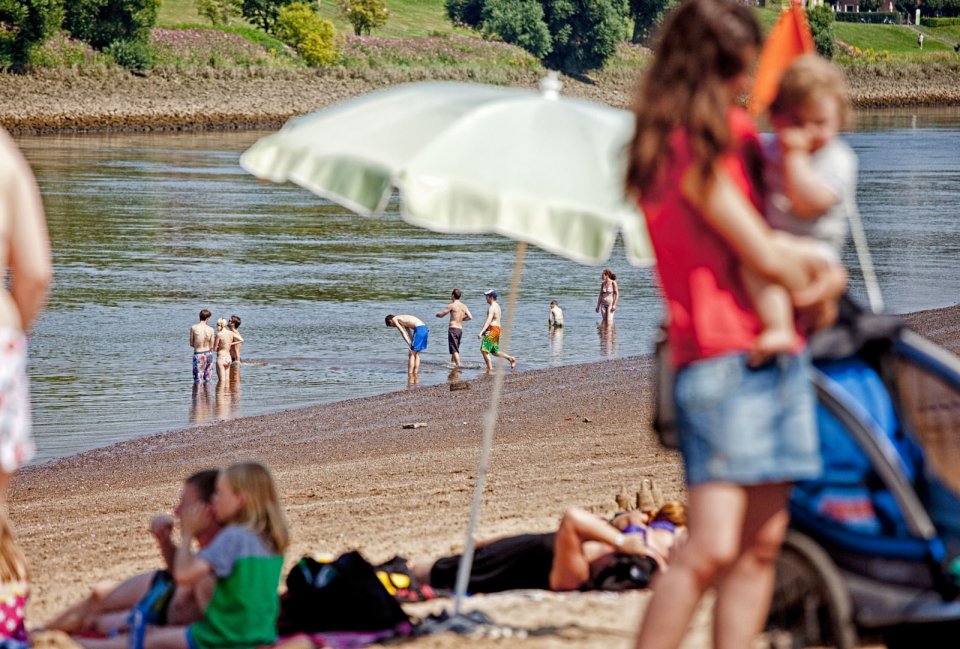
{"points": [[534, 166]]}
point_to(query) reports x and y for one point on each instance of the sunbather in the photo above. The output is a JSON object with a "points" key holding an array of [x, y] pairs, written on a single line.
{"points": [[582, 554], [107, 608]]}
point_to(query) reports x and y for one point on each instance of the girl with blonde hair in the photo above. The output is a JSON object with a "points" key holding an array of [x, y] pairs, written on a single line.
{"points": [[222, 345], [13, 589]]}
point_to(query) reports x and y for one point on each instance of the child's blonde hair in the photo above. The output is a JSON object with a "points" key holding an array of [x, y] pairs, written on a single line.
{"points": [[809, 78], [13, 565], [261, 511], [221, 323]]}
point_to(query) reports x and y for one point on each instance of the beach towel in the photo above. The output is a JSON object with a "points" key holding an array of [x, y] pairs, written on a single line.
{"points": [[341, 595]]}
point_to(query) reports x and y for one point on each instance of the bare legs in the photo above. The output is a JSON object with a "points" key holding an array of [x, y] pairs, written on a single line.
{"points": [[104, 598], [489, 361], [735, 534], [413, 362]]}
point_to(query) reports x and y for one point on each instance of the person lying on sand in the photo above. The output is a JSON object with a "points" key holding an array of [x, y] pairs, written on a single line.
{"points": [[586, 553], [107, 608]]}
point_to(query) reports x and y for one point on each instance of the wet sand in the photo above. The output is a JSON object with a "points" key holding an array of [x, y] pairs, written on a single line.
{"points": [[64, 101], [352, 478]]}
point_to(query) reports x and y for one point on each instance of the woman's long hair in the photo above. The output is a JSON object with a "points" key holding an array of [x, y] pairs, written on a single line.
{"points": [[13, 565], [703, 45], [261, 511]]}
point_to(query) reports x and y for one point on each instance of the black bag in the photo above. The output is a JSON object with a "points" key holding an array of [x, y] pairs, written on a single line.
{"points": [[343, 595], [664, 411], [618, 572]]}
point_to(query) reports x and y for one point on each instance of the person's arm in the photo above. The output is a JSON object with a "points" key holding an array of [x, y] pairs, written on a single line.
{"points": [[571, 566], [737, 221], [193, 338], [809, 196], [466, 314], [162, 529], [444, 312], [486, 323], [616, 296], [188, 568], [29, 245], [403, 332]]}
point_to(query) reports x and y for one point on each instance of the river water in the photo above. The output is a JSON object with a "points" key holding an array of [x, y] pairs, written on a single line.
{"points": [[147, 229]]}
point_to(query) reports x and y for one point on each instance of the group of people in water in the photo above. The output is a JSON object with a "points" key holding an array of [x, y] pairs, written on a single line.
{"points": [[415, 332], [745, 233], [220, 348]]}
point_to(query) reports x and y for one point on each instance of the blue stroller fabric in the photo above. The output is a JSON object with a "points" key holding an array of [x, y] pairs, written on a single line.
{"points": [[849, 495]]}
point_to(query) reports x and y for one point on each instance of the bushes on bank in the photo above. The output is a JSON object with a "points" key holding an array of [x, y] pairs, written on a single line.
{"points": [[314, 38], [263, 13], [218, 12], [365, 15], [519, 23], [101, 22], [821, 24], [24, 26], [131, 54]]}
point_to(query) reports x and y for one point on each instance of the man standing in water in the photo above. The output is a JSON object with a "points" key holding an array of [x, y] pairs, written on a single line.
{"points": [[414, 333], [234, 325], [459, 313], [490, 333], [201, 339]]}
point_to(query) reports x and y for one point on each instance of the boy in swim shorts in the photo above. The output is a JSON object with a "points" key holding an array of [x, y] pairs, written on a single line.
{"points": [[490, 333], [414, 333]]}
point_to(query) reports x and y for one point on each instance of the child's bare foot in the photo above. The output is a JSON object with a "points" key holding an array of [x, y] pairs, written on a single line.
{"points": [[769, 343], [513, 363]]}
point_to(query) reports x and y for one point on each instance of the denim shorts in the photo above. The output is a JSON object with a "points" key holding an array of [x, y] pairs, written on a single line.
{"points": [[747, 425]]}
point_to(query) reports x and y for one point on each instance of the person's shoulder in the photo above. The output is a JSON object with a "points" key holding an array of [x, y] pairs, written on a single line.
{"points": [[741, 123]]}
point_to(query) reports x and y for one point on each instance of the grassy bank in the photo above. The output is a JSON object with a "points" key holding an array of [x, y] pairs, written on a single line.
{"points": [[206, 77]]}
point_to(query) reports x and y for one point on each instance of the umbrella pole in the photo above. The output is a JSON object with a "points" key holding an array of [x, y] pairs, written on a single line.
{"points": [[489, 424]]}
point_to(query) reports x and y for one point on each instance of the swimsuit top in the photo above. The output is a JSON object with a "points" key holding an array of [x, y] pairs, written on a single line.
{"points": [[606, 289], [655, 525]]}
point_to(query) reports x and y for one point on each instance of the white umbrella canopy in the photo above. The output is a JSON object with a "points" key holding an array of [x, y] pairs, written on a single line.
{"points": [[470, 158]]}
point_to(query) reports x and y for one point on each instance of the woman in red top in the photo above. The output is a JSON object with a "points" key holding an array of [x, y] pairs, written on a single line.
{"points": [[746, 432]]}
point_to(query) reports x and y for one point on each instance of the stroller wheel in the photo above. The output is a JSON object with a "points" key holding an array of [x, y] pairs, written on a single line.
{"points": [[811, 605]]}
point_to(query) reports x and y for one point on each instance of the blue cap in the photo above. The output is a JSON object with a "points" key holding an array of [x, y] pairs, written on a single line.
{"points": [[491, 293]]}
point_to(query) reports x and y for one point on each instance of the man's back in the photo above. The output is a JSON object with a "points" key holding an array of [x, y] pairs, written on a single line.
{"points": [[494, 314]]}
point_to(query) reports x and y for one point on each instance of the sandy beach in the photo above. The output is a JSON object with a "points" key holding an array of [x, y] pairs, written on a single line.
{"points": [[352, 478]]}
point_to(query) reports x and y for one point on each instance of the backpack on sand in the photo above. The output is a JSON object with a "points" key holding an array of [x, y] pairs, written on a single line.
{"points": [[342, 595]]}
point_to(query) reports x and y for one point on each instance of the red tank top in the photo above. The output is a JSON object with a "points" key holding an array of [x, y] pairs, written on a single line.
{"points": [[709, 310]]}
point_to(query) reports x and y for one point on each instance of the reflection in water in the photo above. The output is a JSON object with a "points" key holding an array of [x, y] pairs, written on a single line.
{"points": [[201, 409], [412, 380], [228, 394], [608, 338], [556, 344], [227, 397], [454, 375]]}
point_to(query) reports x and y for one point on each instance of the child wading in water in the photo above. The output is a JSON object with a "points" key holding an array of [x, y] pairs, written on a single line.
{"points": [[694, 163], [238, 573], [811, 184]]}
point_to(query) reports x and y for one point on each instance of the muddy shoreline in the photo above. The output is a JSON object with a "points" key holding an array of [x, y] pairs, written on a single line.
{"points": [[63, 101]]}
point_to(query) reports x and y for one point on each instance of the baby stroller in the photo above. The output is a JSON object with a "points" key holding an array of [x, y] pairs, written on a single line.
{"points": [[873, 544]]}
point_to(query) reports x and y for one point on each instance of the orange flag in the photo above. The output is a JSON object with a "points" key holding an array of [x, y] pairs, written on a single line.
{"points": [[789, 38]]}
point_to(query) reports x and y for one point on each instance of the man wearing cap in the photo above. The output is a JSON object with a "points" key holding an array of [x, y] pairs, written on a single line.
{"points": [[414, 333], [490, 333]]}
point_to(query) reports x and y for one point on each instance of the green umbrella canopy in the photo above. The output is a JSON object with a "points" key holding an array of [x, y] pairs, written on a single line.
{"points": [[470, 158]]}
